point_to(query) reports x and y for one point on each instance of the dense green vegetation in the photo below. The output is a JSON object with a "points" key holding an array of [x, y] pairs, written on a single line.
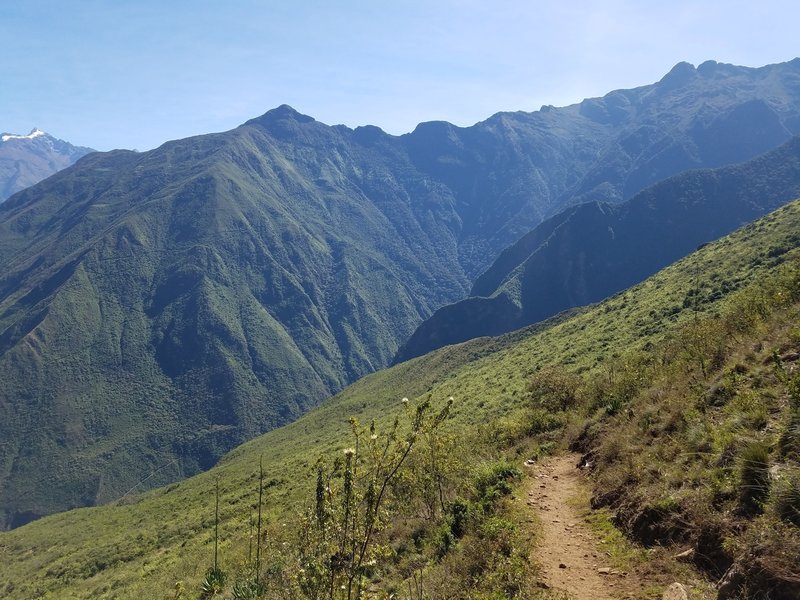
{"points": [[157, 309], [593, 250], [619, 350]]}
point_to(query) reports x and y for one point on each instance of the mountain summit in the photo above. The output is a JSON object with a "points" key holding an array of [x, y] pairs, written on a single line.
{"points": [[27, 159], [35, 132]]}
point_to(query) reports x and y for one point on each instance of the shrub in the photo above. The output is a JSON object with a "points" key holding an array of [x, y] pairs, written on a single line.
{"points": [[542, 421], [793, 387], [337, 546], [787, 499], [753, 477], [789, 442], [554, 389], [459, 513], [453, 528], [492, 483], [499, 532], [701, 344]]}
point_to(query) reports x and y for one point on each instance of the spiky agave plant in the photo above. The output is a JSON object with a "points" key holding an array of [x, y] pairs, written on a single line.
{"points": [[248, 590], [214, 581]]}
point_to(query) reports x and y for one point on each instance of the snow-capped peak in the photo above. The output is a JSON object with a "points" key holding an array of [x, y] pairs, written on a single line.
{"points": [[35, 132]]}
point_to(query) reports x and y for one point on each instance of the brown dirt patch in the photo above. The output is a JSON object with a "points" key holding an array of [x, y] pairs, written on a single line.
{"points": [[568, 555]]}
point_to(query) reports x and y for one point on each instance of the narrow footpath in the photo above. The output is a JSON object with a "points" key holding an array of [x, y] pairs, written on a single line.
{"points": [[568, 555]]}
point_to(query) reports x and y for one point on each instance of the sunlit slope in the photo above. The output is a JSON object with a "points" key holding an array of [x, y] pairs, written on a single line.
{"points": [[142, 546]]}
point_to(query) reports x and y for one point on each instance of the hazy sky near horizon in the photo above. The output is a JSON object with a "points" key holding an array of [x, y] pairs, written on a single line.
{"points": [[135, 73]]}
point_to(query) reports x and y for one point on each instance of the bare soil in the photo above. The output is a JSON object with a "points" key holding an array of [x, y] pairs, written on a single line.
{"points": [[570, 561]]}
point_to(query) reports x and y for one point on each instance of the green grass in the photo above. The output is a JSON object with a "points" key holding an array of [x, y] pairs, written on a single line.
{"points": [[159, 308], [142, 546], [693, 454]]}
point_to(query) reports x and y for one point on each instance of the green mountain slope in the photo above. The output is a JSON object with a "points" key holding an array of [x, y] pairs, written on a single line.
{"points": [[593, 250], [173, 308], [142, 546], [157, 309]]}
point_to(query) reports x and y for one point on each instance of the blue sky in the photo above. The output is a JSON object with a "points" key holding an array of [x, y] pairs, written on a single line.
{"points": [[133, 74]]}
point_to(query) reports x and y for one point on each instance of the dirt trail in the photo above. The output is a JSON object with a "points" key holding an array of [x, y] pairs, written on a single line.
{"points": [[568, 555]]}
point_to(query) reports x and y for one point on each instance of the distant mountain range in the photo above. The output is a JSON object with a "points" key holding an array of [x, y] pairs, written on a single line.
{"points": [[27, 159], [158, 308], [593, 250]]}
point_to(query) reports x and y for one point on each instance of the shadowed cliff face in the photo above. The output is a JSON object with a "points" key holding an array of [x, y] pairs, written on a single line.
{"points": [[158, 308], [593, 250]]}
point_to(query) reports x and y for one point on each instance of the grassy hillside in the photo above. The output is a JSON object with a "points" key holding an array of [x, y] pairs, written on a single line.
{"points": [[159, 308], [156, 310], [695, 444], [143, 545]]}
